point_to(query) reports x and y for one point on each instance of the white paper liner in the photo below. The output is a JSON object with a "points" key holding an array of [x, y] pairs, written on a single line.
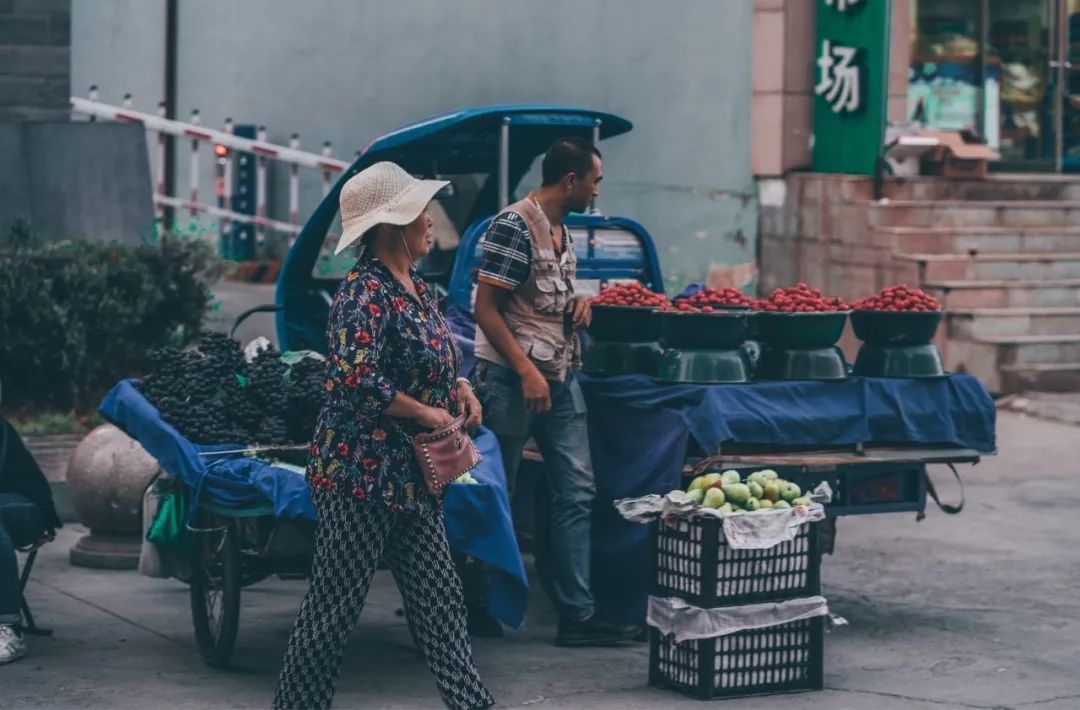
{"points": [[672, 616]]}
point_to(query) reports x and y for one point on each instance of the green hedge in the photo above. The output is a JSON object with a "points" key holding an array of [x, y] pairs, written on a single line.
{"points": [[75, 317]]}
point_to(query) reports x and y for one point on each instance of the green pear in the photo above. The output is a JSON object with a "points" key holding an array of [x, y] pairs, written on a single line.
{"points": [[781, 505], [790, 491], [726, 508], [696, 484], [766, 503], [677, 490], [755, 489], [697, 495], [737, 493], [801, 502], [769, 474], [752, 505], [731, 476], [771, 491], [714, 498], [756, 477]]}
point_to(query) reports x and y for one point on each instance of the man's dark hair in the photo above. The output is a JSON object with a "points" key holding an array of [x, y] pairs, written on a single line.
{"points": [[567, 155]]}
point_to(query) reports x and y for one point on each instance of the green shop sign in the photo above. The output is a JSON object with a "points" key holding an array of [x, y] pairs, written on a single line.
{"points": [[851, 89]]}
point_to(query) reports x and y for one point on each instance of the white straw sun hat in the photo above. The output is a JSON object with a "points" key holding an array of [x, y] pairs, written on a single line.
{"points": [[382, 194]]}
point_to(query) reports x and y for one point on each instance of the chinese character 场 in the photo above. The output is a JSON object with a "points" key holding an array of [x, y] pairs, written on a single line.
{"points": [[841, 5], [839, 77]]}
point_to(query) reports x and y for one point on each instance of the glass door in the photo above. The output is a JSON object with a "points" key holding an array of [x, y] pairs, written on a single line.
{"points": [[945, 80], [1020, 51], [994, 67], [1066, 67]]}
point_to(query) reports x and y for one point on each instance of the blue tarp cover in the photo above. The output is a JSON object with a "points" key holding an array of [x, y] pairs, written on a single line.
{"points": [[478, 520], [954, 410]]}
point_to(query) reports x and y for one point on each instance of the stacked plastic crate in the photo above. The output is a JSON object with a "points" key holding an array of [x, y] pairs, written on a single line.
{"points": [[695, 563]]}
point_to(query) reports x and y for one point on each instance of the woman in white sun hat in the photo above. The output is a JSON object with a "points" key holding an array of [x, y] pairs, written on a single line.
{"points": [[392, 372]]}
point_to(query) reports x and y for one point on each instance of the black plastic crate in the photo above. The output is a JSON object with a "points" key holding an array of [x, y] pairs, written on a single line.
{"points": [[693, 561], [780, 659]]}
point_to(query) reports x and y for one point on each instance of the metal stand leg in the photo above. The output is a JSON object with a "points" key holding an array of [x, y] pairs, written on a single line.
{"points": [[29, 626]]}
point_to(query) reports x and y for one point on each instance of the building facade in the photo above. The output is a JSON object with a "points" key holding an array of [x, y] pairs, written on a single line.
{"points": [[348, 71], [999, 252]]}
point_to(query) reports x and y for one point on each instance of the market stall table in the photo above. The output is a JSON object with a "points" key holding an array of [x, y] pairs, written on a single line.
{"points": [[643, 433]]}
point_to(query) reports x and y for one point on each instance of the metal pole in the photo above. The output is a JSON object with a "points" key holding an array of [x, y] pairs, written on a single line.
{"points": [[504, 163], [1060, 27], [194, 178], [171, 62], [229, 168], [595, 142], [260, 189], [224, 175], [294, 183], [161, 164], [327, 151]]}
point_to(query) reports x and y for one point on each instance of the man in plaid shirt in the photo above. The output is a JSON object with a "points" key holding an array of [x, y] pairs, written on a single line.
{"points": [[526, 313]]}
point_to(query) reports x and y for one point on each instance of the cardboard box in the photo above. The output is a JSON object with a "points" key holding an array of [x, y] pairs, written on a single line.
{"points": [[958, 156]]}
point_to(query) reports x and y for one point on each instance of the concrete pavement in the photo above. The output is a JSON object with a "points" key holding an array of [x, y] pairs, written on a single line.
{"points": [[977, 610]]}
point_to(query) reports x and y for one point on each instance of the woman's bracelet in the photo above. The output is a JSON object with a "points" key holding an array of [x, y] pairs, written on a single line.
{"points": [[463, 379]]}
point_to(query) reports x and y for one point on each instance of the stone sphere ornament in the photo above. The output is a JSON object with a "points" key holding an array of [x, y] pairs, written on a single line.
{"points": [[106, 478]]}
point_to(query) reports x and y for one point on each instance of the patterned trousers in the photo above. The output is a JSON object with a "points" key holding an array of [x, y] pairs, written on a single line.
{"points": [[351, 539]]}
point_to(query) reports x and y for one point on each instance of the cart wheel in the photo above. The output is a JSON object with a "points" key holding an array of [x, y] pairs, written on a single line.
{"points": [[215, 594]]}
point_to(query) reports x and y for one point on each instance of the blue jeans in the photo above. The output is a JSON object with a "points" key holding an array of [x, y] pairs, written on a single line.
{"points": [[563, 437], [20, 525]]}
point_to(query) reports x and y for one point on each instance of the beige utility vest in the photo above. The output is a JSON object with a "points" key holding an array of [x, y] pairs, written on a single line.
{"points": [[536, 311]]}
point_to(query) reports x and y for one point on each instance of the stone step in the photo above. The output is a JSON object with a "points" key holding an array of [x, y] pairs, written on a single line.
{"points": [[1035, 349], [996, 266], [1008, 364], [971, 323], [996, 187], [1056, 377], [1009, 293], [956, 240], [949, 213]]}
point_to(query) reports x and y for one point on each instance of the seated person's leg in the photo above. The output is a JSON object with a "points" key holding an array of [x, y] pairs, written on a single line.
{"points": [[18, 520], [20, 525]]}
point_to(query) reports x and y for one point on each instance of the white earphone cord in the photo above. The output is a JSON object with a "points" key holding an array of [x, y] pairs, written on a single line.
{"points": [[401, 233]]}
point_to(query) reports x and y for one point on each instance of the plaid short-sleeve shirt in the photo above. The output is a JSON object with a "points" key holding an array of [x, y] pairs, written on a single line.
{"points": [[506, 252]]}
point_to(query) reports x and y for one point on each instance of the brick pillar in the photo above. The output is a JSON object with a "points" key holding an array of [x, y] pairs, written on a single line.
{"points": [[783, 85], [899, 59]]}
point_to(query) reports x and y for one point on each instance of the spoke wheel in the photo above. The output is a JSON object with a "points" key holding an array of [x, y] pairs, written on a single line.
{"points": [[215, 594]]}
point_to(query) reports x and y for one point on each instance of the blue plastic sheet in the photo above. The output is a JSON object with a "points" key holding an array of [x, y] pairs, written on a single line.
{"points": [[477, 516]]}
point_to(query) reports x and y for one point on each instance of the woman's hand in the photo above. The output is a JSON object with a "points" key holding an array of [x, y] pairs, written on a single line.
{"points": [[434, 418], [469, 405]]}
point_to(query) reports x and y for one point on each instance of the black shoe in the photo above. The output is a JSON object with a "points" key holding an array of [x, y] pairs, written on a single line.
{"points": [[593, 632], [481, 624]]}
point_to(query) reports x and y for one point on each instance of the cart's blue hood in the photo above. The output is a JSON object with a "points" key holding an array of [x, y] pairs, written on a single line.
{"points": [[459, 142]]}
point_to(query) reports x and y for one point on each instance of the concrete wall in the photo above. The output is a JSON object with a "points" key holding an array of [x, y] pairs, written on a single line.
{"points": [[34, 59], [120, 46], [76, 180], [347, 71]]}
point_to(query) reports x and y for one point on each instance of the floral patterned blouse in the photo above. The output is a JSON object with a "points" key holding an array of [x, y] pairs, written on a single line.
{"points": [[381, 341]]}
